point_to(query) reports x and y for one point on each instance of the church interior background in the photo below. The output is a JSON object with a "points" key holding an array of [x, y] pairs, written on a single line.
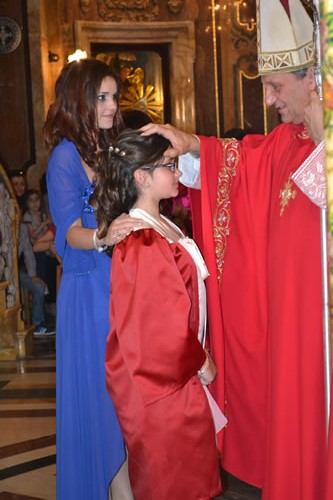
{"points": [[191, 63]]}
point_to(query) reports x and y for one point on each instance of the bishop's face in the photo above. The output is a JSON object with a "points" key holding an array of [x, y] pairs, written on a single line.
{"points": [[289, 94]]}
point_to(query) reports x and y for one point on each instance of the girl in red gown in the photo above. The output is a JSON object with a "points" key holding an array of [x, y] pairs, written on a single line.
{"points": [[156, 367]]}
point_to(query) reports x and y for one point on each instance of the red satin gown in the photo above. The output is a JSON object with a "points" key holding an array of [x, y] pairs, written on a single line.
{"points": [[152, 358]]}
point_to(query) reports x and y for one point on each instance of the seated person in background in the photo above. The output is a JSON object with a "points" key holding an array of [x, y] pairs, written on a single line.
{"points": [[29, 278], [37, 220], [30, 281], [38, 223], [17, 179]]}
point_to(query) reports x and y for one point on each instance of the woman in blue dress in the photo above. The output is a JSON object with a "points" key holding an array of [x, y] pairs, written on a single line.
{"points": [[81, 122]]}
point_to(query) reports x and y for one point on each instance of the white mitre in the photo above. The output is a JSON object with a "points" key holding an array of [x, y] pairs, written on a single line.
{"points": [[284, 43]]}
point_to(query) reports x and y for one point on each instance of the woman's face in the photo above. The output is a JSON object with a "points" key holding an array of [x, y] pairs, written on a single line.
{"points": [[106, 103], [18, 185]]}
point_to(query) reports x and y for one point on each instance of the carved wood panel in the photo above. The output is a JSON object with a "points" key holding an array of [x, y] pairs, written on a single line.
{"points": [[17, 150]]}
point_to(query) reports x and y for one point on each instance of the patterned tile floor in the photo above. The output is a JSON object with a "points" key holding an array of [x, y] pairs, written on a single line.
{"points": [[27, 436], [27, 423]]}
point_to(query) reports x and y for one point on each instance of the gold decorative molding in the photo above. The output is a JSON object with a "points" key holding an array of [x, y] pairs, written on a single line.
{"points": [[175, 6], [213, 7], [128, 10], [246, 22], [10, 309], [243, 75], [85, 6]]}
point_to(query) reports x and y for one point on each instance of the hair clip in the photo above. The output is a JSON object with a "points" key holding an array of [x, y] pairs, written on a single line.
{"points": [[117, 151]]}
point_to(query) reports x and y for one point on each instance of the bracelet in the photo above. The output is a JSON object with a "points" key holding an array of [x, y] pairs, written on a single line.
{"points": [[99, 248]]}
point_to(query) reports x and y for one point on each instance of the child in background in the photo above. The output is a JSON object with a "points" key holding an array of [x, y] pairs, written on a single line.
{"points": [[39, 223], [37, 220]]}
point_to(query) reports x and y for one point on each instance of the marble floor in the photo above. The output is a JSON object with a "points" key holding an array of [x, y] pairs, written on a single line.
{"points": [[27, 423], [27, 430]]}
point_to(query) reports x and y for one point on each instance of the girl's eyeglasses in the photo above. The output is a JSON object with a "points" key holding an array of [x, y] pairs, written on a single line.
{"points": [[173, 167]]}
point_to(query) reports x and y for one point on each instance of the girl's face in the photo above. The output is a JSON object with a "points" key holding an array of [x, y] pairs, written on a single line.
{"points": [[164, 179], [33, 203], [106, 103]]}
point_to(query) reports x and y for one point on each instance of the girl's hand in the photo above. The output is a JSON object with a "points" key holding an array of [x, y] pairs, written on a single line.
{"points": [[207, 372]]}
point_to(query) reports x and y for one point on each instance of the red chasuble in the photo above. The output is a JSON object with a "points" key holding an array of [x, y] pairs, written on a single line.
{"points": [[152, 359], [265, 310], [329, 466]]}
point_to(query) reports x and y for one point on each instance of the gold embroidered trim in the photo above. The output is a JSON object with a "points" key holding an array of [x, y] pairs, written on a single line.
{"points": [[222, 216], [286, 194], [304, 134]]}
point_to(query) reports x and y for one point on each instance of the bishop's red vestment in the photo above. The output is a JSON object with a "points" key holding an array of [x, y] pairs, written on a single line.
{"points": [[152, 358], [329, 464], [265, 310]]}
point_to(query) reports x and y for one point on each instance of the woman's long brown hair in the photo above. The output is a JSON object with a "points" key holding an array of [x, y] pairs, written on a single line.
{"points": [[73, 112]]}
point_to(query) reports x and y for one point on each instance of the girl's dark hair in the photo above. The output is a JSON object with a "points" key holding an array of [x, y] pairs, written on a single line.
{"points": [[116, 189], [73, 113]]}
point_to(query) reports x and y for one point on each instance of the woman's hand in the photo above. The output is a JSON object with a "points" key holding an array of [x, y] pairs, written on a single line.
{"points": [[119, 229], [87, 239]]}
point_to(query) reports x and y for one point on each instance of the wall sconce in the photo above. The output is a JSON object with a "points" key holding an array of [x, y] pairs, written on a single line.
{"points": [[53, 58], [77, 55]]}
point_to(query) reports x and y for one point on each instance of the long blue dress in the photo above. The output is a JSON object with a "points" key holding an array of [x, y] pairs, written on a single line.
{"points": [[90, 447]]}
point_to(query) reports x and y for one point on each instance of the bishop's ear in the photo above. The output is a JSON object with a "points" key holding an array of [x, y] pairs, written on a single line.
{"points": [[312, 78]]}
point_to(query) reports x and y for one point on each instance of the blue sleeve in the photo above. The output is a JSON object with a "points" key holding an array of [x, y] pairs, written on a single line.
{"points": [[65, 178]]}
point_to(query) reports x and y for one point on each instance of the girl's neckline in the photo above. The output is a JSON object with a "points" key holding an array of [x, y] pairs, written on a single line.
{"points": [[162, 225]]}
